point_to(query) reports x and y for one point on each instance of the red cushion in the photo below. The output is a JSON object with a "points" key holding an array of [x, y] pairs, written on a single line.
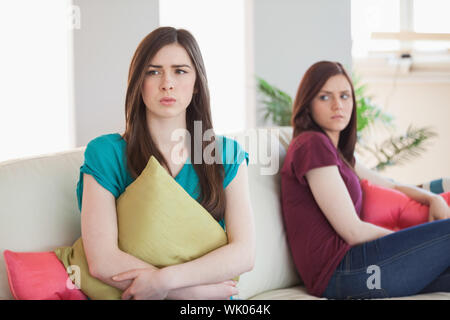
{"points": [[392, 209], [39, 276]]}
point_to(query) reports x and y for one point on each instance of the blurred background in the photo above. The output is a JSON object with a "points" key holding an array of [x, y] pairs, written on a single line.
{"points": [[64, 67]]}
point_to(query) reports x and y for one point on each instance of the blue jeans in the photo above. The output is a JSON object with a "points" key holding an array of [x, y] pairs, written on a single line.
{"points": [[407, 262]]}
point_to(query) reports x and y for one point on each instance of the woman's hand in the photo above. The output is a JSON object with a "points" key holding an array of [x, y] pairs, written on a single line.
{"points": [[148, 284], [439, 209]]}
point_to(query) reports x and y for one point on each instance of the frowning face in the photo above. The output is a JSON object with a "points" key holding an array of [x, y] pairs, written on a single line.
{"points": [[169, 83], [332, 108]]}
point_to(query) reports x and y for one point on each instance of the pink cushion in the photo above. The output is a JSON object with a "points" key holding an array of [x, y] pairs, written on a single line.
{"points": [[391, 209], [39, 276]]}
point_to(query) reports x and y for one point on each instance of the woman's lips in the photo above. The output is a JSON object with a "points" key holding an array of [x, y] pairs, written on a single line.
{"points": [[167, 101], [337, 117]]}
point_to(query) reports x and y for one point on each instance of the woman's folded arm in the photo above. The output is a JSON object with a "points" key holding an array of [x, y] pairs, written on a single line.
{"points": [[105, 259]]}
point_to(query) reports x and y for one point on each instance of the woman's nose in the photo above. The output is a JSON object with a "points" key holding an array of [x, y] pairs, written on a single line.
{"points": [[337, 104], [167, 83]]}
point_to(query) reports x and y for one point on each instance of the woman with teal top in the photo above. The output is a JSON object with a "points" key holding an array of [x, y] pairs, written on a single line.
{"points": [[167, 94]]}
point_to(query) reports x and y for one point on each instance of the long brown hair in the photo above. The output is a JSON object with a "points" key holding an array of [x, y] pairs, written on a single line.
{"points": [[140, 146], [313, 81]]}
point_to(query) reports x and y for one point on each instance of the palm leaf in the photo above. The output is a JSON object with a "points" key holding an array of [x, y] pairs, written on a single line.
{"points": [[278, 104], [397, 150]]}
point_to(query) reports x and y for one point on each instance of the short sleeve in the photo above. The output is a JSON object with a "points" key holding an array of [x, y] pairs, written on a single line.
{"points": [[233, 155], [102, 160], [312, 150]]}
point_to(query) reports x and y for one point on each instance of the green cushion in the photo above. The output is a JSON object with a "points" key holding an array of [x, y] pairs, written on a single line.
{"points": [[158, 222]]}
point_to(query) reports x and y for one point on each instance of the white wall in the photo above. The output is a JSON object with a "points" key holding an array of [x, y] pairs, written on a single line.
{"points": [[291, 35], [103, 47]]}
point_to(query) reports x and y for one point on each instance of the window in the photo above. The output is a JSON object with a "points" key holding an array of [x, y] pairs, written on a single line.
{"points": [[431, 16], [401, 37], [34, 78], [405, 26], [374, 16], [218, 26]]}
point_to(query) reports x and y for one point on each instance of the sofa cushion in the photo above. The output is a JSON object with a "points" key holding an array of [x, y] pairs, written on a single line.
{"points": [[39, 276], [292, 293], [389, 208], [392, 209], [300, 293], [273, 267], [158, 222]]}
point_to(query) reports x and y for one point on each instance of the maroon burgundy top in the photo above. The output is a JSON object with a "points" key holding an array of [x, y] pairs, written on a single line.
{"points": [[317, 249]]}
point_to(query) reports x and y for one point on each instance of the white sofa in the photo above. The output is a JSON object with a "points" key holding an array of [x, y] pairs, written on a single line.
{"points": [[39, 212]]}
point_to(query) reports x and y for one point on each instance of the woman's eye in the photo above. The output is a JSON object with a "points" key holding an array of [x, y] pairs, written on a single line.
{"points": [[152, 72], [323, 98], [180, 71], [345, 96]]}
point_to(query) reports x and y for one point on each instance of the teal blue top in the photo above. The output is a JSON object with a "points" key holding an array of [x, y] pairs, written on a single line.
{"points": [[105, 160]]}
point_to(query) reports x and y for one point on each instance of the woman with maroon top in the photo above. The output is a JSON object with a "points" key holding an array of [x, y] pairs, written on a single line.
{"points": [[338, 255]]}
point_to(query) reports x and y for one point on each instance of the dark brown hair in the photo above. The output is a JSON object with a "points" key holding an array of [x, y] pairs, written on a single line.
{"points": [[140, 146], [313, 81]]}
